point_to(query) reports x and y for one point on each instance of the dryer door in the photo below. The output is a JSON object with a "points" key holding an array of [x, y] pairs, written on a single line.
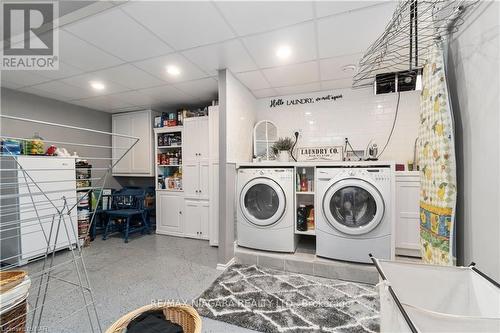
{"points": [[353, 206], [262, 202]]}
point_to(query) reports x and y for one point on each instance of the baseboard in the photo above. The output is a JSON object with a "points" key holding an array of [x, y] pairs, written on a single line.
{"points": [[222, 267]]}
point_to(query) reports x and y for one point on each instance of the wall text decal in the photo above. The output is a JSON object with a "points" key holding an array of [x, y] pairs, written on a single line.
{"points": [[275, 102], [323, 153]]}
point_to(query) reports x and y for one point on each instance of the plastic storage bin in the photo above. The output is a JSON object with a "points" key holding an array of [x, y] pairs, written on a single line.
{"points": [[428, 298]]}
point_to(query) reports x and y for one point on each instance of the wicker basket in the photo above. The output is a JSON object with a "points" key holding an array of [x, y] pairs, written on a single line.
{"points": [[10, 279], [14, 320], [182, 314]]}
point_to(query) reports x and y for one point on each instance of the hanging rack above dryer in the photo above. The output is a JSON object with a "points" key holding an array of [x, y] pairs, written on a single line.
{"points": [[414, 27]]}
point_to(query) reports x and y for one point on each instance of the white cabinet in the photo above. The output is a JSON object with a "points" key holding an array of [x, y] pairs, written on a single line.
{"points": [[407, 213], [139, 161], [195, 158], [195, 218], [169, 213]]}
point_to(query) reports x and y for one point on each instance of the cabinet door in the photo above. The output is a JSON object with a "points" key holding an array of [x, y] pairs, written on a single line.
{"points": [[204, 182], [204, 209], [121, 124], [169, 214], [190, 178], [214, 204], [191, 218], [141, 125], [190, 140], [202, 138], [213, 133], [407, 215]]}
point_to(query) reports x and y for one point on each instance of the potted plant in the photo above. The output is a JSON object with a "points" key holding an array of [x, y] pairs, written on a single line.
{"points": [[282, 149]]}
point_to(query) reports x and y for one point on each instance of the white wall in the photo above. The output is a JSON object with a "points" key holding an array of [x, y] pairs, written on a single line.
{"points": [[359, 115], [473, 76], [240, 117]]}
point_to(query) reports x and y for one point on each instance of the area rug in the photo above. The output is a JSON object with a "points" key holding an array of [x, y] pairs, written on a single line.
{"points": [[268, 300]]}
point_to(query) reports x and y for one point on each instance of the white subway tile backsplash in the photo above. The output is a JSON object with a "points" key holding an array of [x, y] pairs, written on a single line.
{"points": [[359, 115]]}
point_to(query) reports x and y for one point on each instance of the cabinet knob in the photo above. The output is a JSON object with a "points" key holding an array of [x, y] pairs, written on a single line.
{"points": [[180, 212]]}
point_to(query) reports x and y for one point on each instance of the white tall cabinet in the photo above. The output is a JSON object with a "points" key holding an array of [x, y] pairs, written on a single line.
{"points": [[407, 213], [139, 161], [189, 213]]}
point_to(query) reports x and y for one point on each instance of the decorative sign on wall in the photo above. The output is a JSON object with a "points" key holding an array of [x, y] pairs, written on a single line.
{"points": [[324, 153], [275, 102]]}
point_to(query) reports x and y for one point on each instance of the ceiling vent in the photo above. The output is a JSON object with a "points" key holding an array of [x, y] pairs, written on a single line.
{"points": [[398, 81]]}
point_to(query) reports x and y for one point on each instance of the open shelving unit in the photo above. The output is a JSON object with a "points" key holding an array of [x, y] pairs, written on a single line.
{"points": [[305, 196], [165, 171]]}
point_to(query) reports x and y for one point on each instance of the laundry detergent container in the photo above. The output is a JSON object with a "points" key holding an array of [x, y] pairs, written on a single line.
{"points": [[429, 298]]}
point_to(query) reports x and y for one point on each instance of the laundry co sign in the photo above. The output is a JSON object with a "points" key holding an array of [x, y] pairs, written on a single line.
{"points": [[324, 153]]}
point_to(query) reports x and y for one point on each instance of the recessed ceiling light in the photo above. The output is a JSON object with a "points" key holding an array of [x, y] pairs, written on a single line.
{"points": [[311, 122], [349, 68], [97, 85], [284, 52], [307, 113], [173, 70]]}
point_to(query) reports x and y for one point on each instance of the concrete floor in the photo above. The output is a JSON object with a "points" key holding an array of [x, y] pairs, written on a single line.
{"points": [[127, 276]]}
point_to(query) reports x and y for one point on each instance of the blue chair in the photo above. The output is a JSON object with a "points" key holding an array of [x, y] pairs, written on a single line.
{"points": [[127, 204]]}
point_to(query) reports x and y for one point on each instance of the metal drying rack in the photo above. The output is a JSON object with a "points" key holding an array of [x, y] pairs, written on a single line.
{"points": [[29, 191], [414, 27]]}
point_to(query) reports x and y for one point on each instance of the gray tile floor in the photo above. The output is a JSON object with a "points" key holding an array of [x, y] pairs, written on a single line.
{"points": [[127, 276]]}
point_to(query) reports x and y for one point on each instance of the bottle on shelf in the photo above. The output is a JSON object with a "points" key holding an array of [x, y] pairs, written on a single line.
{"points": [[310, 217], [301, 218], [303, 181]]}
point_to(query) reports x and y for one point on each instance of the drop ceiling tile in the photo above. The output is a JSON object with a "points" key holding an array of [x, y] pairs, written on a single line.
{"points": [[247, 17], [83, 82], [204, 89], [332, 68], [230, 54], [43, 93], [118, 34], [103, 103], [253, 80], [181, 24], [301, 88], [292, 74], [165, 94], [345, 34], [135, 97], [326, 8], [22, 78], [82, 55], [129, 76], [157, 67], [300, 38], [64, 70], [261, 93], [336, 84], [61, 90], [130, 108]]}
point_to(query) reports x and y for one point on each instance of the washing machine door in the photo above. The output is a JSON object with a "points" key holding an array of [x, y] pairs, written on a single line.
{"points": [[262, 202], [353, 206]]}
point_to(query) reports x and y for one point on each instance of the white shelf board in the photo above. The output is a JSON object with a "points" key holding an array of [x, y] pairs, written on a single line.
{"points": [[304, 193], [169, 147], [308, 232], [167, 129], [168, 165]]}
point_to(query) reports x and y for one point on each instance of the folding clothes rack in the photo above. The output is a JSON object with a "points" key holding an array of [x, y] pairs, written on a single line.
{"points": [[60, 278], [414, 27]]}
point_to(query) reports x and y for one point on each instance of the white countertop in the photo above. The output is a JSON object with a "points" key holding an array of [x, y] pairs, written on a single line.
{"points": [[267, 164]]}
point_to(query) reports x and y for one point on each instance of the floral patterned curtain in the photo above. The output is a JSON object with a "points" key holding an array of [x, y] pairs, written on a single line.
{"points": [[437, 165]]}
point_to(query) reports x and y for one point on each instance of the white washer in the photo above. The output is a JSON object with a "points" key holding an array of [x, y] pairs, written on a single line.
{"points": [[354, 213], [265, 209]]}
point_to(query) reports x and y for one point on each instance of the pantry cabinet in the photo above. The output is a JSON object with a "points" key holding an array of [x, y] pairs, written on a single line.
{"points": [[139, 161], [407, 213], [169, 212], [195, 218], [196, 158]]}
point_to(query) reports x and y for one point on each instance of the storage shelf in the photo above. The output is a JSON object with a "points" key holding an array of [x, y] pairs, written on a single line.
{"points": [[167, 129], [308, 232], [169, 147], [168, 165], [168, 190], [305, 193]]}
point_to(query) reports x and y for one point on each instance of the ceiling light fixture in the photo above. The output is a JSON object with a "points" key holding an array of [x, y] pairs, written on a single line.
{"points": [[173, 70], [97, 85], [349, 68], [284, 52]]}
